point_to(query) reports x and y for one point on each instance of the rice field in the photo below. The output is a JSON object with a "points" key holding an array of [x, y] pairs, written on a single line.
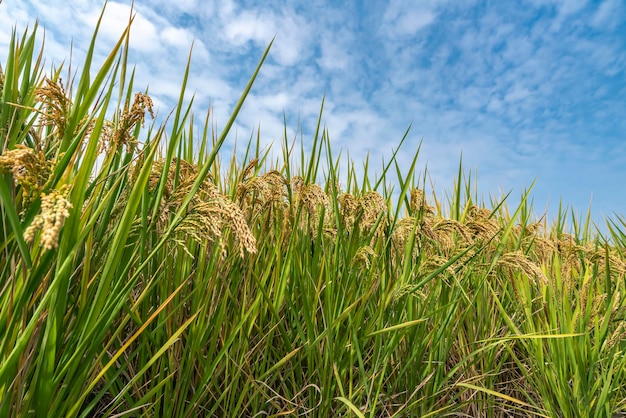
{"points": [[146, 274]]}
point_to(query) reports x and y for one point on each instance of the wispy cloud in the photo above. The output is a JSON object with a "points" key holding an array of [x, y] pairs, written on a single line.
{"points": [[406, 18]]}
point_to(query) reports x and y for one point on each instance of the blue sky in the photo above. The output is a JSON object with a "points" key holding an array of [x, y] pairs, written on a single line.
{"points": [[525, 90]]}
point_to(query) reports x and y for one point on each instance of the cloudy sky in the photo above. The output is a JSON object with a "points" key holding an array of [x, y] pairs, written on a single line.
{"points": [[524, 90]]}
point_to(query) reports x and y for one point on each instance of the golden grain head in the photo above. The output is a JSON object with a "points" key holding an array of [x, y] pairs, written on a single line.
{"points": [[179, 180], [313, 197], [434, 262], [449, 233], [476, 212], [533, 228], [617, 336], [155, 177], [481, 223], [483, 229], [405, 228], [364, 256], [275, 185], [570, 263], [263, 190], [315, 203], [56, 104], [129, 119], [372, 206], [348, 208], [418, 199], [297, 183], [141, 105], [249, 169], [517, 260], [611, 261], [418, 203], [598, 305], [566, 243], [618, 305], [544, 249], [54, 211], [210, 213], [220, 213], [29, 169]]}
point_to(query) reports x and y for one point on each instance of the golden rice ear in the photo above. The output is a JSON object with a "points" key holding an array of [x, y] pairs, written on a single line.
{"points": [[29, 169], [348, 209], [56, 105], [419, 204], [209, 219], [249, 169], [275, 185], [263, 196], [371, 205], [544, 249], [297, 183], [129, 119], [517, 260], [54, 211], [604, 261], [313, 200], [619, 334], [313, 197], [403, 231], [445, 230], [435, 262], [364, 256], [480, 223]]}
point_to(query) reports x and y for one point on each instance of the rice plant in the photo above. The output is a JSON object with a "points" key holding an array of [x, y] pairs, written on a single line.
{"points": [[142, 276]]}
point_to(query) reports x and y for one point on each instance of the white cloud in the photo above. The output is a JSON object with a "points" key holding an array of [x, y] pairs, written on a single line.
{"points": [[334, 55], [144, 34], [472, 98], [495, 105], [607, 15], [277, 102], [516, 93], [177, 37], [15, 14], [411, 22], [403, 18], [249, 26], [569, 7], [259, 27]]}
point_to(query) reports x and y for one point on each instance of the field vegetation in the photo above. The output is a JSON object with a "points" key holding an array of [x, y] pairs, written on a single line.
{"points": [[144, 273]]}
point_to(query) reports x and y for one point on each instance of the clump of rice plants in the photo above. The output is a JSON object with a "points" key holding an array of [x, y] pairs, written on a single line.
{"points": [[143, 277]]}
